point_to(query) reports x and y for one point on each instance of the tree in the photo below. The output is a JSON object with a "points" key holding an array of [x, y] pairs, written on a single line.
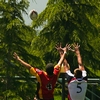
{"points": [[69, 21], [15, 36]]}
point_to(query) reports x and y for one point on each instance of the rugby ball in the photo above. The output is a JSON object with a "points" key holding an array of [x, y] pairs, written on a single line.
{"points": [[33, 14]]}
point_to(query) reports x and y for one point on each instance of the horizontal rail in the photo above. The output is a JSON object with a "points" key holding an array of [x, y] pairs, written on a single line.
{"points": [[93, 81], [93, 94]]}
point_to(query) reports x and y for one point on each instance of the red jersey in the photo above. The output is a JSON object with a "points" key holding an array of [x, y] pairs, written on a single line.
{"points": [[47, 83]]}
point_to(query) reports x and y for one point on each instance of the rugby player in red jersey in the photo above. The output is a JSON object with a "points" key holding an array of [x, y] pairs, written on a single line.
{"points": [[47, 79]]}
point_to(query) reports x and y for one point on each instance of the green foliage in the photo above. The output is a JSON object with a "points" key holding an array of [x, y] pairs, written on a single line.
{"points": [[68, 22], [15, 36], [65, 21], [59, 97]]}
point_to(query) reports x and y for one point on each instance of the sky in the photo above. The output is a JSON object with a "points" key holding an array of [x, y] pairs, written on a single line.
{"points": [[38, 5]]}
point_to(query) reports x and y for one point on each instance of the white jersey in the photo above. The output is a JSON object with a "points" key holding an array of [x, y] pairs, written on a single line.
{"points": [[76, 87]]}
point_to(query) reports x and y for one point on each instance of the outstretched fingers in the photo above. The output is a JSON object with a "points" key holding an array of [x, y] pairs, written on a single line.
{"points": [[76, 46], [58, 46], [15, 56]]}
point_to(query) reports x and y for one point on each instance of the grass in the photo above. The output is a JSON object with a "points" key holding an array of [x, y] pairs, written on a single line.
{"points": [[58, 97]]}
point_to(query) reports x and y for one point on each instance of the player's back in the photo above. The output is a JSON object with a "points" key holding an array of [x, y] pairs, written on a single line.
{"points": [[77, 89]]}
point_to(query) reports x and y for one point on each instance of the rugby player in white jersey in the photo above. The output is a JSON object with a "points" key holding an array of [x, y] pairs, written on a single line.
{"points": [[77, 82]]}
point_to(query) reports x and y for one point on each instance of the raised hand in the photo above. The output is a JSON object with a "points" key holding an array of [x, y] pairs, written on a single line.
{"points": [[68, 46], [25, 64], [59, 47], [75, 47], [61, 50], [15, 56]]}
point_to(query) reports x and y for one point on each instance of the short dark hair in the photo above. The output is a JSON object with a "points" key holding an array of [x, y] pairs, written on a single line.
{"points": [[49, 68], [78, 73]]}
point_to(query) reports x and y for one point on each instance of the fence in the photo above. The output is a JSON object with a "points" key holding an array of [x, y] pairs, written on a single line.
{"points": [[93, 82]]}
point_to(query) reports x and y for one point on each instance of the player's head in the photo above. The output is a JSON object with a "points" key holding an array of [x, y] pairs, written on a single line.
{"points": [[77, 73], [50, 68]]}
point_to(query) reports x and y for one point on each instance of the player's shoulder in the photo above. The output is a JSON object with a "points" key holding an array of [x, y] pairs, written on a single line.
{"points": [[39, 71], [84, 73], [56, 66]]}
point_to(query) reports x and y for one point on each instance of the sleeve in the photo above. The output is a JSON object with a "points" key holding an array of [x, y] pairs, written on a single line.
{"points": [[36, 72], [56, 69], [33, 71], [84, 73], [69, 75]]}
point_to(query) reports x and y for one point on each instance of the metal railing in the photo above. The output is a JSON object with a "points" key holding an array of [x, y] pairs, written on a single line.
{"points": [[61, 80]]}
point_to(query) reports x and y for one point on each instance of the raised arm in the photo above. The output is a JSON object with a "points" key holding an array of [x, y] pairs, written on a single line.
{"points": [[26, 65], [61, 52], [79, 59]]}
